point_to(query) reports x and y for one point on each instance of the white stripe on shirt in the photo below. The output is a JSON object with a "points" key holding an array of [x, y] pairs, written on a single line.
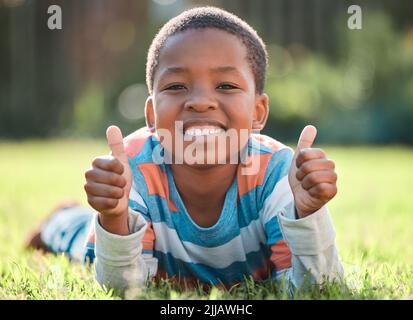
{"points": [[216, 257]]}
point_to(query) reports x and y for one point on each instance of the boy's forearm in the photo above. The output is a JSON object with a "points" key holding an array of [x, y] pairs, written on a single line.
{"points": [[119, 262], [314, 253]]}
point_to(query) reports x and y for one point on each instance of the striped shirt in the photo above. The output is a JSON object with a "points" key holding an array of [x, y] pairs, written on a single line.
{"points": [[245, 241]]}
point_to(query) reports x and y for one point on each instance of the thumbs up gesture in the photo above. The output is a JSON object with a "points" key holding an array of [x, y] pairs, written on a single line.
{"points": [[312, 177], [108, 184]]}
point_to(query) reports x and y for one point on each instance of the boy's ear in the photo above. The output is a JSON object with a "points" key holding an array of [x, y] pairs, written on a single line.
{"points": [[261, 112], [150, 114]]}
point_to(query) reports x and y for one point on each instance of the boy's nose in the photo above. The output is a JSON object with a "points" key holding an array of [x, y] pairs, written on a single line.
{"points": [[200, 104]]}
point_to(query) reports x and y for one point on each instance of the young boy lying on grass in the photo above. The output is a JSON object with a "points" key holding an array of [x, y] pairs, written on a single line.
{"points": [[198, 194]]}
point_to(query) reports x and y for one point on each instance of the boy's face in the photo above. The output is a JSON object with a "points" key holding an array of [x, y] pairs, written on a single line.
{"points": [[204, 80]]}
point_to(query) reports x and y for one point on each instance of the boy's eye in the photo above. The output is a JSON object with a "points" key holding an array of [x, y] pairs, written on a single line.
{"points": [[175, 87], [226, 86]]}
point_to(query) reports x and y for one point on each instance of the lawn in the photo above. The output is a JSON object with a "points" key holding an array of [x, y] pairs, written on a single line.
{"points": [[372, 214]]}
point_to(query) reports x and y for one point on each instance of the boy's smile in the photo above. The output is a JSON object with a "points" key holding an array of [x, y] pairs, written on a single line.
{"points": [[202, 127], [205, 80]]}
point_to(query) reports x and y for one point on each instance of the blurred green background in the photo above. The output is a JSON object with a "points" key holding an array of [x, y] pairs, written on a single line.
{"points": [[356, 86]]}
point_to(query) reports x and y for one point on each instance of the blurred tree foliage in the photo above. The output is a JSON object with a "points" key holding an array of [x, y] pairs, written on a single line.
{"points": [[363, 96], [355, 85]]}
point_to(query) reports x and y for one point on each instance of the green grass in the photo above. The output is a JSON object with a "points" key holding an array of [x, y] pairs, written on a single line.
{"points": [[372, 214]]}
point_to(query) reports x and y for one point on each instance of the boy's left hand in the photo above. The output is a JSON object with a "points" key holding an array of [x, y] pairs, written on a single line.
{"points": [[312, 177]]}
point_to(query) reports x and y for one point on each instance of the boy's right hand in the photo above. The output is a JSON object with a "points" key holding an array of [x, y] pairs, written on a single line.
{"points": [[108, 185]]}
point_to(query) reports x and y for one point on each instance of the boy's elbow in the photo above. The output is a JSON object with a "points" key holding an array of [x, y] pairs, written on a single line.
{"points": [[117, 279], [316, 271]]}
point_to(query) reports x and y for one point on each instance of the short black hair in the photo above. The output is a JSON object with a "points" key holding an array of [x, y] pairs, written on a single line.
{"points": [[211, 17]]}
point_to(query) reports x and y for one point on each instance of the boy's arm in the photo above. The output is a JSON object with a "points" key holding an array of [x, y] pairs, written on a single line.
{"points": [[300, 248], [303, 234], [314, 255], [120, 262], [120, 231]]}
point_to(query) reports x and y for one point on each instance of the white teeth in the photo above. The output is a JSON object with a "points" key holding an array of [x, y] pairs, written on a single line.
{"points": [[203, 131]]}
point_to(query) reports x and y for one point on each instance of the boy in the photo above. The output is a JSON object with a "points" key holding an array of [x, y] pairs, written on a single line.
{"points": [[209, 220]]}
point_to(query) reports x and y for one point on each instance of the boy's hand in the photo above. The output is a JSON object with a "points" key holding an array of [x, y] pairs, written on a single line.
{"points": [[108, 185], [312, 177]]}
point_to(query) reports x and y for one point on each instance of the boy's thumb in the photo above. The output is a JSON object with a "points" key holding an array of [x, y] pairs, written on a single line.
{"points": [[307, 137], [115, 142]]}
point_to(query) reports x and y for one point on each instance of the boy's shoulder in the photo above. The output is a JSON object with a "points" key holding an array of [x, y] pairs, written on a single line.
{"points": [[139, 140], [269, 161], [267, 144]]}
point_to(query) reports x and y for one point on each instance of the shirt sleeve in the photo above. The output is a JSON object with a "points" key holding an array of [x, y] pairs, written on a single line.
{"points": [[302, 251], [120, 261], [123, 262]]}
